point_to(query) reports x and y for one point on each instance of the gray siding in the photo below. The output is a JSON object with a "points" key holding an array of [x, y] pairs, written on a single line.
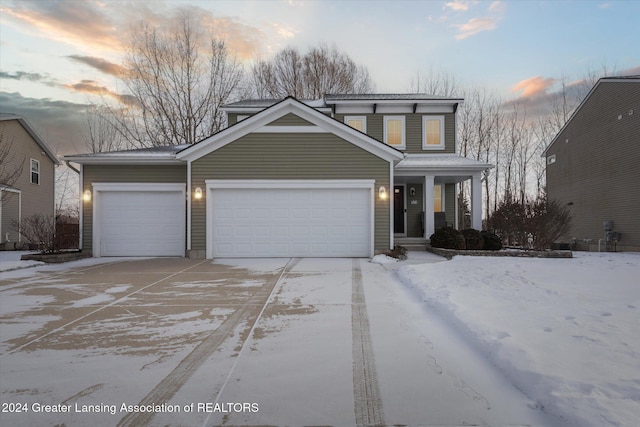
{"points": [[290, 156], [413, 130], [596, 171], [121, 174], [36, 198]]}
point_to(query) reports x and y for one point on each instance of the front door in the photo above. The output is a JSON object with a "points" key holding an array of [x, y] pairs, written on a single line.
{"points": [[398, 210]]}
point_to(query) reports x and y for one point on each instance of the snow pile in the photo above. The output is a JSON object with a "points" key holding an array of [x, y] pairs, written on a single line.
{"points": [[564, 331], [11, 260], [383, 259]]}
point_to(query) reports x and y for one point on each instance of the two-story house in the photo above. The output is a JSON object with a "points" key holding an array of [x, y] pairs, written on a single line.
{"points": [[27, 177], [341, 176], [593, 167]]}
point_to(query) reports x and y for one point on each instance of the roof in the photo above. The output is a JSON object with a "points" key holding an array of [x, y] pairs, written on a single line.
{"points": [[158, 155], [441, 161], [616, 79], [31, 131], [385, 97]]}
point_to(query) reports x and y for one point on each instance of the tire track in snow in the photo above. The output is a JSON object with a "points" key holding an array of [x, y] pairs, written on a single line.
{"points": [[366, 393], [249, 312]]}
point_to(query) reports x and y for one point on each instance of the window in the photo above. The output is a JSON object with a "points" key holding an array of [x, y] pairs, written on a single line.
{"points": [[432, 132], [394, 131], [357, 122], [438, 198], [35, 172]]}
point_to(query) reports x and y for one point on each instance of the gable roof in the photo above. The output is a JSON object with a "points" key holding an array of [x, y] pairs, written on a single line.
{"points": [[34, 135], [321, 123], [600, 82]]}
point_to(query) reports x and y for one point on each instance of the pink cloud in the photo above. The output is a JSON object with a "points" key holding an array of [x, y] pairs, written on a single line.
{"points": [[533, 86], [475, 26]]}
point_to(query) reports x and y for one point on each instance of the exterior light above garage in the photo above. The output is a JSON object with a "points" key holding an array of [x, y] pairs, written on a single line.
{"points": [[382, 192], [197, 193], [86, 196]]}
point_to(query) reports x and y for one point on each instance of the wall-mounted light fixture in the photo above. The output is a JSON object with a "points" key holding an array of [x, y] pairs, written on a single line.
{"points": [[382, 192], [197, 193], [412, 192], [86, 195]]}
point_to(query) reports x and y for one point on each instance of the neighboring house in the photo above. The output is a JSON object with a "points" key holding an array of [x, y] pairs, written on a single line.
{"points": [[32, 190], [593, 166], [341, 176]]}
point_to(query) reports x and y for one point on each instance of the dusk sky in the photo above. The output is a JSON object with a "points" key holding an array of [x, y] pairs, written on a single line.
{"points": [[56, 55]]}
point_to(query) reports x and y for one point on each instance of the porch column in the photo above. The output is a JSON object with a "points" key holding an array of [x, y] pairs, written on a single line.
{"points": [[429, 223], [476, 202]]}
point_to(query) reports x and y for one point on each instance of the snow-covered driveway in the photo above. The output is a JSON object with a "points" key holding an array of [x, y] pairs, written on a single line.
{"points": [[245, 342]]}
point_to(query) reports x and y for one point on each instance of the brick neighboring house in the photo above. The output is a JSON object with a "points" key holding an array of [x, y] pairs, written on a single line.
{"points": [[593, 166], [33, 190]]}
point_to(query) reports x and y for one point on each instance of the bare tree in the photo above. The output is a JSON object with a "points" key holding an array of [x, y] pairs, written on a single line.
{"points": [[320, 71], [178, 78], [435, 82], [101, 131]]}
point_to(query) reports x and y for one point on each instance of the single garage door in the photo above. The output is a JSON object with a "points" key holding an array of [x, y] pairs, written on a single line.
{"points": [[292, 222], [142, 223]]}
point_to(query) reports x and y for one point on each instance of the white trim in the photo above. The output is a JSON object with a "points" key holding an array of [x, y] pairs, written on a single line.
{"points": [[189, 196], [123, 160], [241, 117], [403, 133], [391, 214], [429, 221], [100, 187], [361, 118], [426, 146], [81, 209], [291, 129], [213, 184]]}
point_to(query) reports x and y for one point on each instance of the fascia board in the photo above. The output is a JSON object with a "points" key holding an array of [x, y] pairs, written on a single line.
{"points": [[121, 160], [397, 101]]}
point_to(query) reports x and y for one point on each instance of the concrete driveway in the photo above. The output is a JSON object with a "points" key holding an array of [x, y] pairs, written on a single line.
{"points": [[238, 342]]}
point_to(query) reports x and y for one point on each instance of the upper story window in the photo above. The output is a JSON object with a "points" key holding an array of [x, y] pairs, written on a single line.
{"points": [[357, 122], [35, 171], [432, 132], [394, 131]]}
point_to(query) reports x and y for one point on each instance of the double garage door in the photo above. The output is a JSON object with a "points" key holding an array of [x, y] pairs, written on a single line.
{"points": [[290, 222]]}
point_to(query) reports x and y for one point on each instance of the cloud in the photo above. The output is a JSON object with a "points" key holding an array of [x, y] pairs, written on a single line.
{"points": [[60, 123], [100, 64], [82, 24], [479, 24], [534, 86], [458, 5], [32, 77], [93, 88]]}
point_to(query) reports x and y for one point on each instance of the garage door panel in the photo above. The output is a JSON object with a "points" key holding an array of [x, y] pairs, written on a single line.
{"points": [[141, 223], [291, 222]]}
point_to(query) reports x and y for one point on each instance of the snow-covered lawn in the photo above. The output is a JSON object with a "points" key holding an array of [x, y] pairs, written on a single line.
{"points": [[566, 332], [11, 260]]}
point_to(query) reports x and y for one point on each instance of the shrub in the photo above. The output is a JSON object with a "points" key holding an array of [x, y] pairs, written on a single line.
{"points": [[492, 242], [40, 230], [447, 238], [473, 239]]}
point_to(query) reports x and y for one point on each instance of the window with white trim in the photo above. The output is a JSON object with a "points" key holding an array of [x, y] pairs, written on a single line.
{"points": [[394, 131], [432, 132], [357, 122], [35, 172]]}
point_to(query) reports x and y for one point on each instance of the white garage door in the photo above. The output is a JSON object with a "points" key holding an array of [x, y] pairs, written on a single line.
{"points": [[291, 222], [141, 223]]}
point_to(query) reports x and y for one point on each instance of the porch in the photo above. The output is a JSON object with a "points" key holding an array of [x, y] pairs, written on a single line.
{"points": [[425, 193]]}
